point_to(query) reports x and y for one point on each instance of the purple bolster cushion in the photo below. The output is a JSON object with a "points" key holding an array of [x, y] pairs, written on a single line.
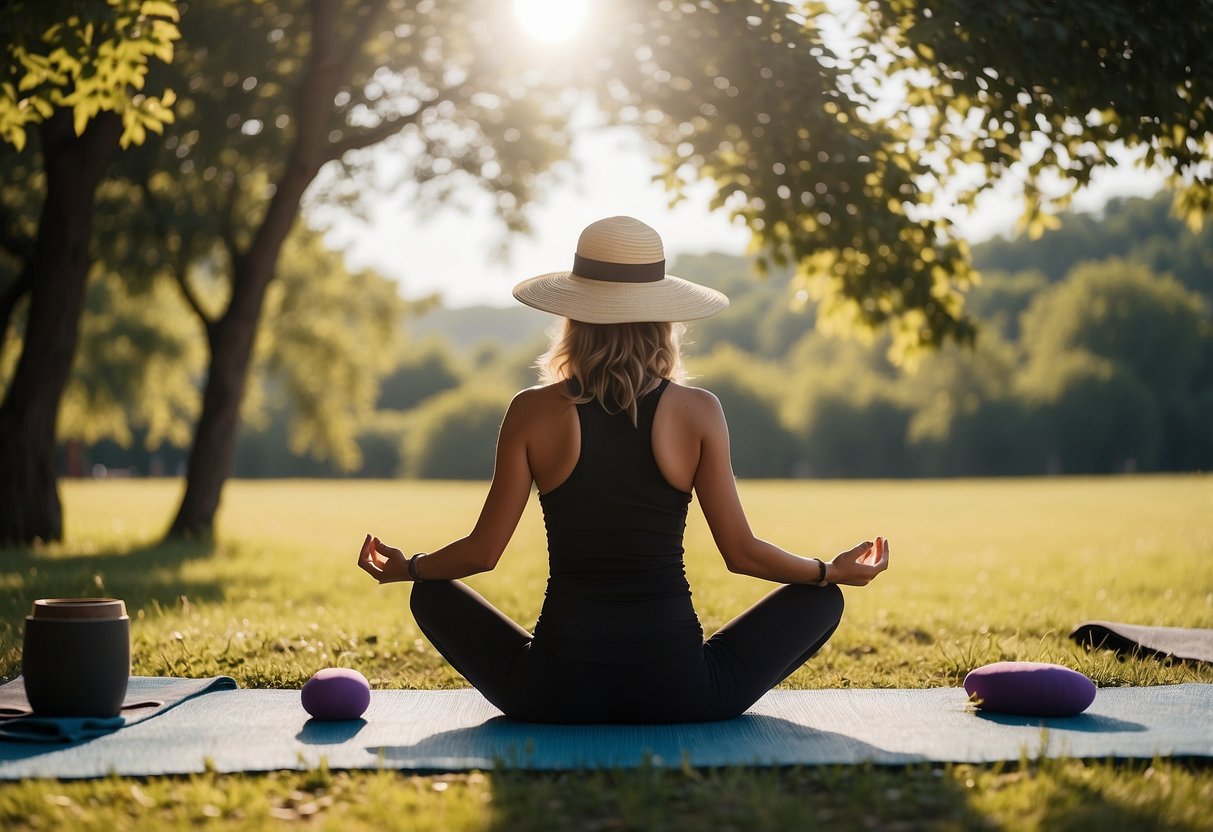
{"points": [[336, 693], [1030, 689]]}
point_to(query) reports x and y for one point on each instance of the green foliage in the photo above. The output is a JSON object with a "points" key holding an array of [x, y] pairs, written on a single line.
{"points": [[748, 96], [850, 438], [1110, 372], [1001, 299], [381, 442], [87, 57], [473, 329], [506, 364], [752, 98], [134, 372], [265, 450], [422, 76], [821, 365], [422, 371], [1122, 357], [1142, 230], [1053, 90], [763, 318], [331, 337], [969, 418], [1104, 417], [990, 437], [761, 446], [272, 95], [455, 433], [1120, 311]]}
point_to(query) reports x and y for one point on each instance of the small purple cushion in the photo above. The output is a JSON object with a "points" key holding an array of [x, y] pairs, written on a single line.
{"points": [[336, 693], [1030, 689]]}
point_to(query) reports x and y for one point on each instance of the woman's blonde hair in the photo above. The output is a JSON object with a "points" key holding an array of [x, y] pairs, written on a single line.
{"points": [[612, 363]]}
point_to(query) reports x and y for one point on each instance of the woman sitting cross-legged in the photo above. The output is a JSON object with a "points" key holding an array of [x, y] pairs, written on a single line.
{"points": [[616, 447]]}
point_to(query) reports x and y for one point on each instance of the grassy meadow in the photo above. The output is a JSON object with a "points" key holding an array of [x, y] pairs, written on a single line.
{"points": [[982, 570]]}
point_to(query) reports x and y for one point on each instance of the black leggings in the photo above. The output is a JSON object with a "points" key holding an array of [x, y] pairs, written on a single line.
{"points": [[742, 661]]}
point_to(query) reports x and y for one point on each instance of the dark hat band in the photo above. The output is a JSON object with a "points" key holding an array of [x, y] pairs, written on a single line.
{"points": [[618, 272]]}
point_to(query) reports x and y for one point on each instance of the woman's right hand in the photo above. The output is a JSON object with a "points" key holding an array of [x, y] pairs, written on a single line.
{"points": [[384, 563], [861, 565]]}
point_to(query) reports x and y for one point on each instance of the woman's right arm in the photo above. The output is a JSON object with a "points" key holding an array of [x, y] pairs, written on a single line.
{"points": [[743, 552], [480, 550]]}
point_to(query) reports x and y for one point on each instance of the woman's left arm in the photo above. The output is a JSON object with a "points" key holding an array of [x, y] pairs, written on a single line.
{"points": [[480, 550]]}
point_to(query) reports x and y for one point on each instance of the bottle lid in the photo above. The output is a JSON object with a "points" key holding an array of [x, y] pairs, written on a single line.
{"points": [[79, 609]]}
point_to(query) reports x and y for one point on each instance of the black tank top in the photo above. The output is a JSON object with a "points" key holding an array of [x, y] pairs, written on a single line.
{"points": [[617, 589]]}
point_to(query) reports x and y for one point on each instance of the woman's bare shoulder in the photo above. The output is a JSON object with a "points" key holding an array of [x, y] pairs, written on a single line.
{"points": [[695, 410], [694, 399], [537, 402]]}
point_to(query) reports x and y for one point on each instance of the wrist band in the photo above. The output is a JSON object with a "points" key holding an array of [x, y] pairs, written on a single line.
{"points": [[413, 567], [821, 574]]}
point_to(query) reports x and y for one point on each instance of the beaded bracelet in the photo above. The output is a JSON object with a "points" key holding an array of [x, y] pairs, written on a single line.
{"points": [[821, 575]]}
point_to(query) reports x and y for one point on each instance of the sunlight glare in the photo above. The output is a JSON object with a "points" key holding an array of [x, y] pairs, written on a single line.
{"points": [[550, 21]]}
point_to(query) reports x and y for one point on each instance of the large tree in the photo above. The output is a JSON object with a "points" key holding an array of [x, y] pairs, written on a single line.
{"points": [[73, 75], [271, 94]]}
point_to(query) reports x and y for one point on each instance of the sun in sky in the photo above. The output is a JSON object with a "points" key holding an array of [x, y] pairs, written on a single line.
{"points": [[551, 21]]}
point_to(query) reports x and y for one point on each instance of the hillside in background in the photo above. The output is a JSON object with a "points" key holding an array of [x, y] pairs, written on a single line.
{"points": [[466, 328], [1143, 230]]}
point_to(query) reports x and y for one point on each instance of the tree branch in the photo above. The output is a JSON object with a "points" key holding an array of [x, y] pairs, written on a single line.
{"points": [[179, 264], [191, 297], [371, 136], [317, 87]]}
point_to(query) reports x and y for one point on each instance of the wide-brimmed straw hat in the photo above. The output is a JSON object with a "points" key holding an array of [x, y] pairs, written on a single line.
{"points": [[618, 276]]}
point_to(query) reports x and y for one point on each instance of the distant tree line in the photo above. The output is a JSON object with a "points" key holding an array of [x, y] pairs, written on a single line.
{"points": [[1094, 355]]}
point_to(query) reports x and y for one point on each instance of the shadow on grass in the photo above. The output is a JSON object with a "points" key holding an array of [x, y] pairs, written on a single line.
{"points": [[1052, 794], [146, 578], [742, 799]]}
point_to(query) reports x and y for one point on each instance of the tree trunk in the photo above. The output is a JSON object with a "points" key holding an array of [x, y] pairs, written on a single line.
{"points": [[231, 350], [57, 271], [232, 336], [231, 340]]}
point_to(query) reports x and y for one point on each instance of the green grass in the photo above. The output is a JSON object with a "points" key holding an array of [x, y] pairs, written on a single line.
{"points": [[982, 570]]}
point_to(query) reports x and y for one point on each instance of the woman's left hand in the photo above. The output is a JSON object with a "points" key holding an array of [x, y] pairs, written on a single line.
{"points": [[861, 565], [384, 563]]}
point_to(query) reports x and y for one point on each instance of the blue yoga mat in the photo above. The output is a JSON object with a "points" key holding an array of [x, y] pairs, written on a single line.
{"points": [[146, 697], [457, 730]]}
